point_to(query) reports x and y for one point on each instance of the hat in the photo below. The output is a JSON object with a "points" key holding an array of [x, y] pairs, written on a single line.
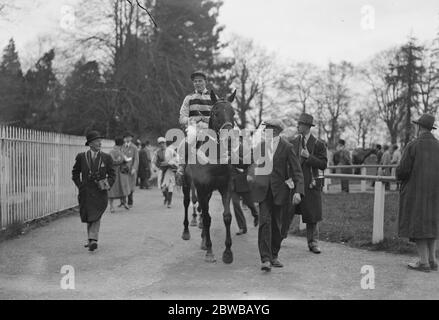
{"points": [[93, 135], [198, 73], [342, 142], [307, 119], [128, 134], [275, 123], [161, 140], [426, 121]]}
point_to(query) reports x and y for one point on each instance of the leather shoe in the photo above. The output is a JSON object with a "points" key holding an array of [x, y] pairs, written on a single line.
{"points": [[276, 264], [433, 266], [87, 244], [266, 266], [92, 246], [418, 266], [256, 221], [241, 232], [314, 249]]}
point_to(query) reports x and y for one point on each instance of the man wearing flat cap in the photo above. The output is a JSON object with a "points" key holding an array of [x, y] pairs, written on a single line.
{"points": [[272, 190], [313, 157], [195, 110], [129, 149], [94, 175], [418, 173]]}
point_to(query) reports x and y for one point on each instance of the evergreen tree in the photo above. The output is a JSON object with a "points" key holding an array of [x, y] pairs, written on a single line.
{"points": [[11, 87]]}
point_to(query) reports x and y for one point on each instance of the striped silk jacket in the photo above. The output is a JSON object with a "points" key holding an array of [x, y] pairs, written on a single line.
{"points": [[193, 105]]}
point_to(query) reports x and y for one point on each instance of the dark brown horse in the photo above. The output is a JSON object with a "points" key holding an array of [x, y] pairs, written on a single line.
{"points": [[210, 177], [360, 155]]}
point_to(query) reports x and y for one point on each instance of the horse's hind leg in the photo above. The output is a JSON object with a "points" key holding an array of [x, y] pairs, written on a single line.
{"points": [[186, 192], [227, 215]]}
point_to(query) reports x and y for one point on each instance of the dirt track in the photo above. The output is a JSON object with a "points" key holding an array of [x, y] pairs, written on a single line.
{"points": [[141, 256]]}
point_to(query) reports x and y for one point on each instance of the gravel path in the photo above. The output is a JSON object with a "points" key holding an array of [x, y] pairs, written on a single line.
{"points": [[141, 256]]}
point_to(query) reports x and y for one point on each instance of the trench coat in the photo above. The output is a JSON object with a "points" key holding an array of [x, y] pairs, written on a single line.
{"points": [[121, 186], [285, 165], [132, 152], [418, 172], [311, 206], [92, 201]]}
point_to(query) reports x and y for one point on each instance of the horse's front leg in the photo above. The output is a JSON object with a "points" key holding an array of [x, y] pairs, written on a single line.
{"points": [[227, 215], [206, 243], [186, 192], [194, 202]]}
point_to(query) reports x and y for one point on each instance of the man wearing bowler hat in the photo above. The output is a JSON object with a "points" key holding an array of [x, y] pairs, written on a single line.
{"points": [[130, 150], [93, 174], [313, 157], [272, 191], [418, 173]]}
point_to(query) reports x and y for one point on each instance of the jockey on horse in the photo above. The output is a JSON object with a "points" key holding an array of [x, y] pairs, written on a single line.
{"points": [[195, 113]]}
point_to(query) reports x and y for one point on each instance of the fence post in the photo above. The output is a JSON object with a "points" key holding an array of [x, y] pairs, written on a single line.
{"points": [[378, 213], [363, 182], [327, 182]]}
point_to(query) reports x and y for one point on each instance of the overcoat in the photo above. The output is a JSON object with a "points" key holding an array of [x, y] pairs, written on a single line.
{"points": [[121, 187], [132, 152], [92, 201], [418, 172], [311, 206], [285, 165], [144, 163]]}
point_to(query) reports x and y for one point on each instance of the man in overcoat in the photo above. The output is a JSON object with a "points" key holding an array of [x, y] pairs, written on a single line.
{"points": [[130, 150], [418, 172], [272, 192], [90, 171], [313, 157], [145, 159]]}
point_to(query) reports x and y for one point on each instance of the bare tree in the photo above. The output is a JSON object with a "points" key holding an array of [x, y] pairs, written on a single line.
{"points": [[363, 121], [299, 82], [429, 81], [252, 74], [386, 90], [333, 98]]}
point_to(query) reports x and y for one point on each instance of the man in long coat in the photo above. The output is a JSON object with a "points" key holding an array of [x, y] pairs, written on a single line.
{"points": [[342, 157], [145, 159], [130, 150], [418, 172], [272, 192], [313, 157], [89, 168]]}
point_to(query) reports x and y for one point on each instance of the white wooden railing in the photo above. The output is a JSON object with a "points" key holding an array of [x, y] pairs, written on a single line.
{"points": [[35, 173], [379, 198]]}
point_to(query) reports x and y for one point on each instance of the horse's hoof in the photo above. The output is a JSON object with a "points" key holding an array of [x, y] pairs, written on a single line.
{"points": [[228, 257], [193, 223], [186, 236], [210, 258], [203, 245]]}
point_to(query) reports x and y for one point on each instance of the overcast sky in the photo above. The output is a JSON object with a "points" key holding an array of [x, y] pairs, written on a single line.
{"points": [[308, 30]]}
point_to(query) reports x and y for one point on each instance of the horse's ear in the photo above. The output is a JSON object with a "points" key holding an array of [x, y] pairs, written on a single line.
{"points": [[232, 97], [213, 97]]}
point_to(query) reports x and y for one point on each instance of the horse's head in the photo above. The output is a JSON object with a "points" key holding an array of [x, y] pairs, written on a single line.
{"points": [[222, 113]]}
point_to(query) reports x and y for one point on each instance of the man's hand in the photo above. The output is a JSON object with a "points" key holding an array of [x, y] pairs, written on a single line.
{"points": [[133, 172], [297, 199], [305, 153], [250, 178]]}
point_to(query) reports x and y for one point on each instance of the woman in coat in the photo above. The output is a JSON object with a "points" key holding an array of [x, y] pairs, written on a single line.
{"points": [[418, 172], [121, 188]]}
